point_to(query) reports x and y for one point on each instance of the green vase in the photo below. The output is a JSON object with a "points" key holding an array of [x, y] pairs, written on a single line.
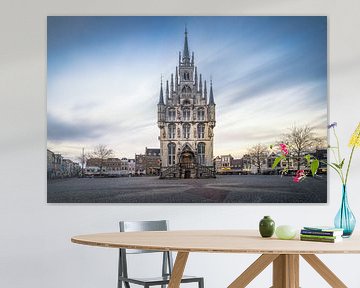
{"points": [[266, 226]]}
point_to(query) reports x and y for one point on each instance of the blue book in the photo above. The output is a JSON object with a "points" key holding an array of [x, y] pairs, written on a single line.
{"points": [[322, 231]]}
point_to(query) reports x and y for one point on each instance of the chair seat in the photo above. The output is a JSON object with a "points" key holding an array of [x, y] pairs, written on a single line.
{"points": [[158, 280]]}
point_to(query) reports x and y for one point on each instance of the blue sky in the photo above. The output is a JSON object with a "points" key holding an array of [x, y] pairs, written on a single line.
{"points": [[103, 81]]}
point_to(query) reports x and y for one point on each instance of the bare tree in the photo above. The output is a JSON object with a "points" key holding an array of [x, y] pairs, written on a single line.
{"points": [[299, 141], [101, 153], [258, 154]]}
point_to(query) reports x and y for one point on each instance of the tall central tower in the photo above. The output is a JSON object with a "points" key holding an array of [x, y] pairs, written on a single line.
{"points": [[186, 118]]}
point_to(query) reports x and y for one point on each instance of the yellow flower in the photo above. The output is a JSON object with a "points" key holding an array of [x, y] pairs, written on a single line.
{"points": [[355, 138]]}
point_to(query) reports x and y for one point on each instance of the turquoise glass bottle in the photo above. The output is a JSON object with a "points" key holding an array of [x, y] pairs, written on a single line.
{"points": [[266, 226], [345, 219]]}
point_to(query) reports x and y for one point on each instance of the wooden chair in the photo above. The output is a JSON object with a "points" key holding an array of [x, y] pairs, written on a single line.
{"points": [[167, 262]]}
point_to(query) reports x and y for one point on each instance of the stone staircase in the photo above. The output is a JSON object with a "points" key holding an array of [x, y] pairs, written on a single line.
{"points": [[179, 171]]}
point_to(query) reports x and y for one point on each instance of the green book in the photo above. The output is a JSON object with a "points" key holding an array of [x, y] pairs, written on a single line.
{"points": [[325, 240], [319, 236]]}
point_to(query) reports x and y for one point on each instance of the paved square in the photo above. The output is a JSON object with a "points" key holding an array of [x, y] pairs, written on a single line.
{"points": [[223, 189]]}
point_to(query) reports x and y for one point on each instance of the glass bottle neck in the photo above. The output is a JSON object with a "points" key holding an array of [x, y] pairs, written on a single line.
{"points": [[344, 194]]}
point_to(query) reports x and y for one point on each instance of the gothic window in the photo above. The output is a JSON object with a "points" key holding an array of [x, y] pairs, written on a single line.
{"points": [[201, 131], [201, 114], [186, 114], [171, 114], [171, 131], [186, 131], [201, 153], [186, 75], [171, 153], [186, 89]]}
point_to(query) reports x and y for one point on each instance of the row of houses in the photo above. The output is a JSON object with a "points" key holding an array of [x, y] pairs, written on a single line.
{"points": [[226, 164], [149, 164], [143, 164], [60, 167]]}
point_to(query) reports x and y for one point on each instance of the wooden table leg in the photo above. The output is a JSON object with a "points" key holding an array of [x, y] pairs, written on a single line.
{"points": [[324, 271], [286, 271], [253, 270], [178, 270]]}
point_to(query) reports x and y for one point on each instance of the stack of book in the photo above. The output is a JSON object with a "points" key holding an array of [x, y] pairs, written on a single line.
{"points": [[321, 234]]}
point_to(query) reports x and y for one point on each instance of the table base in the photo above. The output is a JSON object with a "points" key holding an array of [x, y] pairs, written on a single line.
{"points": [[285, 270]]}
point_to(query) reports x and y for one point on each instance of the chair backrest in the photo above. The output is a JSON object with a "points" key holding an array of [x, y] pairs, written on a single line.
{"points": [[134, 226]]}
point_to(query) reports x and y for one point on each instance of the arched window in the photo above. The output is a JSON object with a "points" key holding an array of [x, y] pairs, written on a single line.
{"points": [[171, 131], [186, 114], [201, 153], [171, 154], [201, 131], [201, 114], [186, 89], [171, 114], [186, 131], [186, 75]]}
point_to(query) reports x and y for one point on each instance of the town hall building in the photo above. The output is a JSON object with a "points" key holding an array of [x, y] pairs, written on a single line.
{"points": [[186, 119]]}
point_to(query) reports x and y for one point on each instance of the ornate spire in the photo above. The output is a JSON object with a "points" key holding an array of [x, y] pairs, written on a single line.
{"points": [[172, 82], [167, 89], [205, 90], [211, 100], [196, 78], [176, 78], [161, 98], [200, 84], [186, 53]]}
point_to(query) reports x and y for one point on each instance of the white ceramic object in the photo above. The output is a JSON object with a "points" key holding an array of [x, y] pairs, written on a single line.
{"points": [[285, 232]]}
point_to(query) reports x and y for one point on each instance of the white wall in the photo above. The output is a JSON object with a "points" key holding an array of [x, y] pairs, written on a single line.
{"points": [[35, 248]]}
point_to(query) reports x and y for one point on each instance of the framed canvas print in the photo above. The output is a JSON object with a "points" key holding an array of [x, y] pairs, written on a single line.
{"points": [[155, 109]]}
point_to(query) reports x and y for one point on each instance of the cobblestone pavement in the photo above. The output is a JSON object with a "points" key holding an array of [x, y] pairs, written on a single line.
{"points": [[223, 189]]}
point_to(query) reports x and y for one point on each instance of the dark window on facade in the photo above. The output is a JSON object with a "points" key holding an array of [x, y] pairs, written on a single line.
{"points": [[171, 114], [186, 75], [201, 153], [186, 89], [201, 131], [171, 131], [186, 114], [186, 131], [171, 154], [201, 114]]}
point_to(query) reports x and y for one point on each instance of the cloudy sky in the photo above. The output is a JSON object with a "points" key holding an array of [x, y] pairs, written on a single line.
{"points": [[103, 79]]}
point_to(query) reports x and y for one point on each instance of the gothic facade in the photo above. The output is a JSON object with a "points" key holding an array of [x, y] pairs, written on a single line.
{"points": [[186, 119]]}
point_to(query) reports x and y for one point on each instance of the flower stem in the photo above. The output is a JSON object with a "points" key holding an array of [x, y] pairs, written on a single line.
{"points": [[339, 162], [351, 155], [348, 167], [337, 142]]}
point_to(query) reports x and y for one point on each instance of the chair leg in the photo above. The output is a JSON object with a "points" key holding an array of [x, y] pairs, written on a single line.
{"points": [[201, 283]]}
